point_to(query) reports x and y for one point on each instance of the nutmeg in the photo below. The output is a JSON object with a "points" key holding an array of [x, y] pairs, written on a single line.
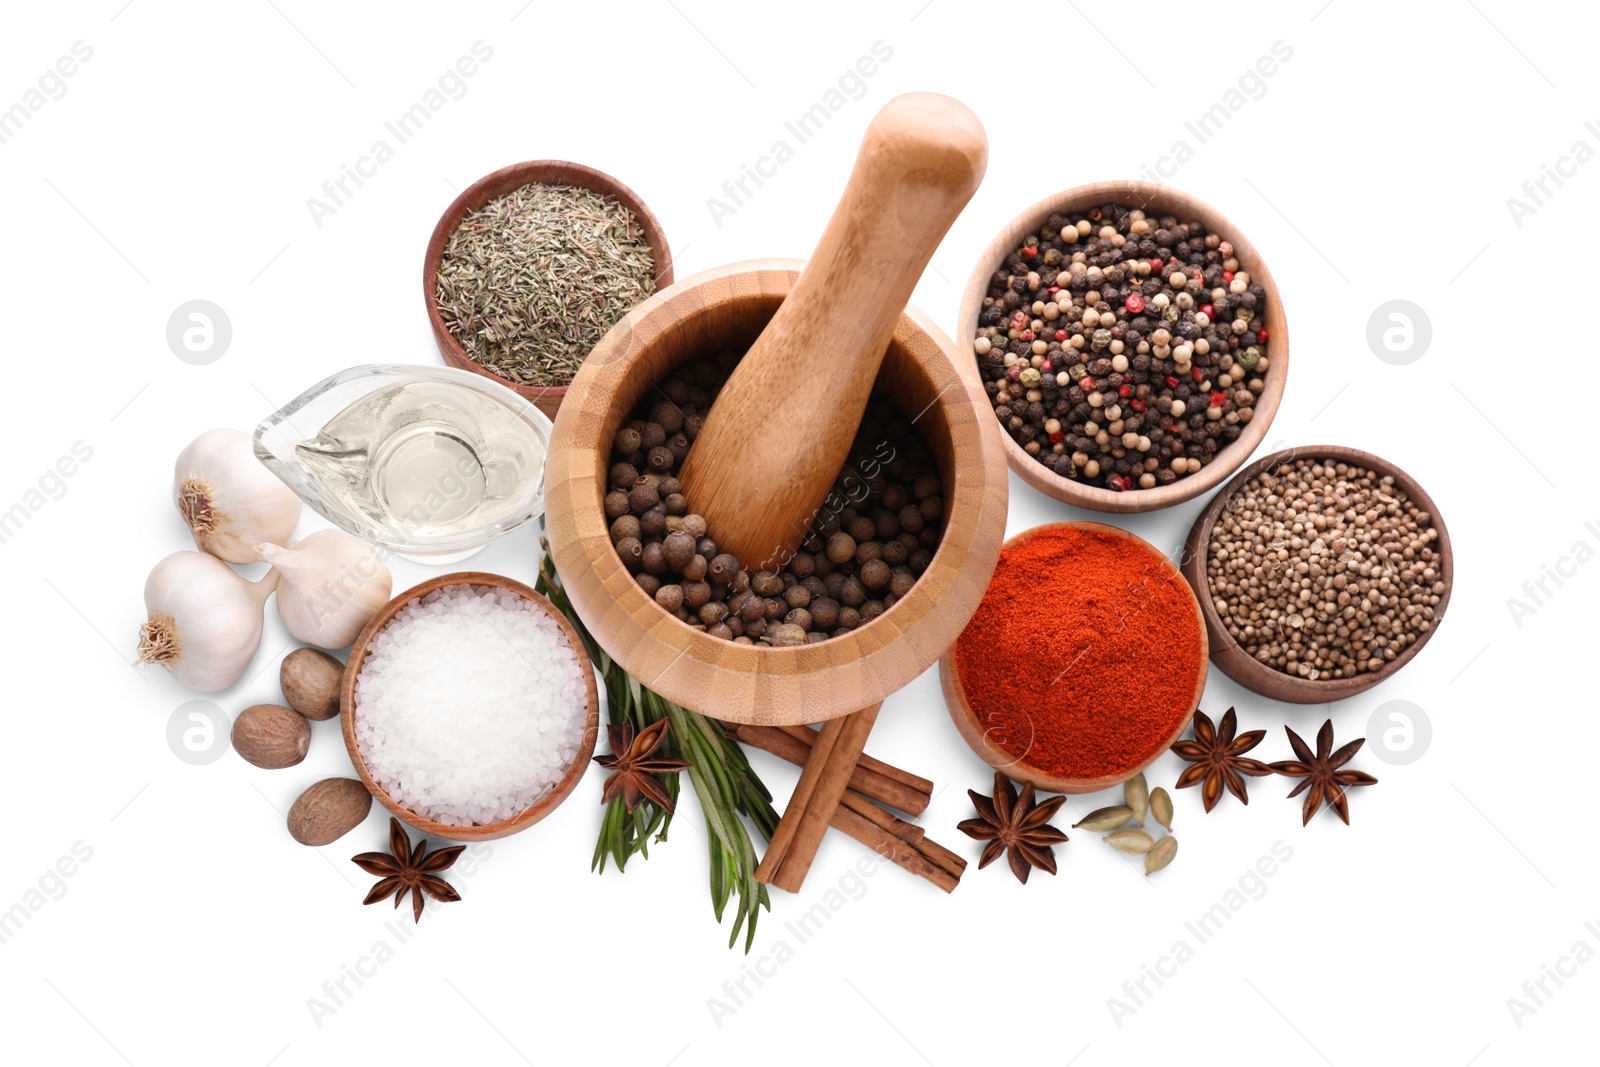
{"points": [[311, 680], [328, 810], [271, 736]]}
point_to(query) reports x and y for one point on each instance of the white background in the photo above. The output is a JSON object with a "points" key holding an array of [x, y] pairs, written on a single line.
{"points": [[1375, 166]]}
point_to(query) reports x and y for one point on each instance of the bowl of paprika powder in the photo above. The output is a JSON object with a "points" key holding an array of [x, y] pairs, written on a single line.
{"points": [[1084, 662]]}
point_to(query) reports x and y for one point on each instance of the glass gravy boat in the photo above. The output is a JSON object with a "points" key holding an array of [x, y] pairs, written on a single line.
{"points": [[431, 462]]}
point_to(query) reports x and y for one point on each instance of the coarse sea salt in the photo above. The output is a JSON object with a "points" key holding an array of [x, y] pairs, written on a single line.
{"points": [[470, 705]]}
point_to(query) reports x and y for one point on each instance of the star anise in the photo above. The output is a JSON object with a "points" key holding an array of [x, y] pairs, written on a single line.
{"points": [[1322, 774], [634, 761], [1016, 826], [403, 870], [1219, 758]]}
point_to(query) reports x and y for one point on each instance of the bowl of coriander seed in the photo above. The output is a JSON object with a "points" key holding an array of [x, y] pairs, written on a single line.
{"points": [[1131, 342], [530, 266], [1321, 572]]}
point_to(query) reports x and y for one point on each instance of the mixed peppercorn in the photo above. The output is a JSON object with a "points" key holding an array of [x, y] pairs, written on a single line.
{"points": [[874, 534], [1123, 350]]}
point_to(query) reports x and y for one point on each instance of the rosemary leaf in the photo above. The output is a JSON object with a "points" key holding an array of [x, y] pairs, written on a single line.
{"points": [[719, 773]]}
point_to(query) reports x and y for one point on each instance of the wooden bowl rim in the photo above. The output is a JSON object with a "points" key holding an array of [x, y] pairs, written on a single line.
{"points": [[984, 508], [1244, 668], [1168, 201], [498, 183], [541, 807], [966, 718]]}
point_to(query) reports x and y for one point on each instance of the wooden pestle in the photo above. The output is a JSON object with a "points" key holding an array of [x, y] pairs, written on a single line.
{"points": [[782, 426]]}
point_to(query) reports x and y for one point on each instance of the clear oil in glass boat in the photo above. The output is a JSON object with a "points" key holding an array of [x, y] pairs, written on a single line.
{"points": [[415, 458]]}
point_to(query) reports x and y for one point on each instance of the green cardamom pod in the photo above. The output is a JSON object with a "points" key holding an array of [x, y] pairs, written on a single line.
{"points": [[1136, 794], [1161, 808], [1160, 854], [1104, 820], [1133, 842]]}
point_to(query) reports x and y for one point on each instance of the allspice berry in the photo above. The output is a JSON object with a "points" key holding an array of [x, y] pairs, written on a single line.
{"points": [[642, 497], [786, 635], [724, 567], [678, 548], [624, 526], [857, 547], [668, 415], [623, 476], [631, 552], [627, 440]]}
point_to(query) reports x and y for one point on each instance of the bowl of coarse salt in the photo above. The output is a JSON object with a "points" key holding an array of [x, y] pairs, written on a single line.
{"points": [[470, 706]]}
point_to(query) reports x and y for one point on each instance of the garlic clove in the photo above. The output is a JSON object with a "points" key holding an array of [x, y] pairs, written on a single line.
{"points": [[333, 583], [228, 499], [204, 623]]}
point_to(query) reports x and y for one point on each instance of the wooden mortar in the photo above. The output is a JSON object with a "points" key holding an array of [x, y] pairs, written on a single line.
{"points": [[726, 308]]}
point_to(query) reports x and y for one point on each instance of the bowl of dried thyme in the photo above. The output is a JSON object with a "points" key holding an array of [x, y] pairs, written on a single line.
{"points": [[530, 266]]}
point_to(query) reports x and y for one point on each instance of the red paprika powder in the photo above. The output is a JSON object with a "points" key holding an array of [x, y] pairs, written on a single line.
{"points": [[1084, 656]]}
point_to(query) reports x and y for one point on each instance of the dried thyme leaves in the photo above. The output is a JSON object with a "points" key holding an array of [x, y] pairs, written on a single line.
{"points": [[530, 282]]}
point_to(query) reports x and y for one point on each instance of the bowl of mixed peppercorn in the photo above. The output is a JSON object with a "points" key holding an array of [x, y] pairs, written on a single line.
{"points": [[1131, 343]]}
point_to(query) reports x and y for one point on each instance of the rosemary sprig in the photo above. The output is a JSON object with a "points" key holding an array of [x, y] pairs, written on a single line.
{"points": [[722, 778]]}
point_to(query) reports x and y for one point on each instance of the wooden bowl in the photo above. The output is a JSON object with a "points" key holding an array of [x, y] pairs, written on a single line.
{"points": [[976, 733], [1228, 654], [723, 309], [549, 172], [541, 807], [1157, 199]]}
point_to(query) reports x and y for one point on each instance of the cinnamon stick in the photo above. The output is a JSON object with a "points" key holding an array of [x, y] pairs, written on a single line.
{"points": [[807, 735], [890, 847], [816, 798], [794, 744], [789, 824], [905, 832]]}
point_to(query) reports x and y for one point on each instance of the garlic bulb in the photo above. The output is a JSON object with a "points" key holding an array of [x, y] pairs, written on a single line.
{"points": [[205, 620], [332, 584], [230, 501]]}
